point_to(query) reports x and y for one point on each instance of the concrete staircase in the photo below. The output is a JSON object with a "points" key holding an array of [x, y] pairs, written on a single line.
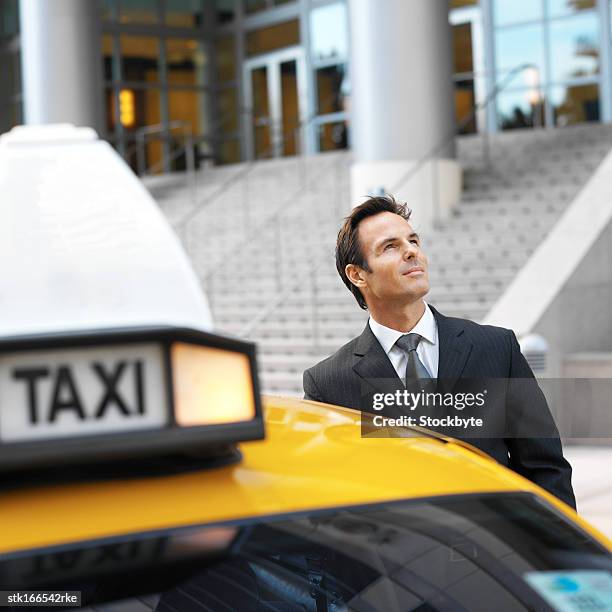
{"points": [[507, 208]]}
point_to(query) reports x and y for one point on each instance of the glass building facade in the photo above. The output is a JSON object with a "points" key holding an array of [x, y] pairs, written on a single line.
{"points": [[254, 79], [549, 59], [157, 75], [239, 74]]}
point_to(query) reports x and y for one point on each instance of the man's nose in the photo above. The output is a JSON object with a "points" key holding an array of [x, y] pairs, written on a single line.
{"points": [[410, 250]]}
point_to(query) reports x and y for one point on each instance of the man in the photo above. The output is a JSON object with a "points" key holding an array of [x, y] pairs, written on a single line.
{"points": [[380, 260]]}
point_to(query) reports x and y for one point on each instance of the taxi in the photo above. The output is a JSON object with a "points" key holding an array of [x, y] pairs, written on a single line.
{"points": [[142, 470]]}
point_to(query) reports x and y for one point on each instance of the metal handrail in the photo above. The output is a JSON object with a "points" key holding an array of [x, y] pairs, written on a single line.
{"points": [[212, 135], [141, 135], [270, 220], [281, 297], [238, 176], [187, 148], [252, 325], [247, 169]]}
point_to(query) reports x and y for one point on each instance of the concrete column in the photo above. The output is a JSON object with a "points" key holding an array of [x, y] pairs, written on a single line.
{"points": [[61, 62], [402, 102]]}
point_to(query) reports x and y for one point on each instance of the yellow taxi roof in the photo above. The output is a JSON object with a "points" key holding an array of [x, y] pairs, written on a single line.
{"points": [[313, 457]]}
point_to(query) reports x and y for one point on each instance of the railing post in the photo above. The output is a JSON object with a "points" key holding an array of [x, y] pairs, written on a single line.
{"points": [[302, 164], [298, 158], [540, 110], [246, 213], [166, 147], [140, 154], [191, 170], [486, 147], [278, 256]]}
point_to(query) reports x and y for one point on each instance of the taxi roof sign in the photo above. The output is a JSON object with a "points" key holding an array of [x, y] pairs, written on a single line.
{"points": [[105, 395], [85, 245]]}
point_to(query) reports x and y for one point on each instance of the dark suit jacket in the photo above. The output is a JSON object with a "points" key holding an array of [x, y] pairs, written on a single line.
{"points": [[467, 351]]}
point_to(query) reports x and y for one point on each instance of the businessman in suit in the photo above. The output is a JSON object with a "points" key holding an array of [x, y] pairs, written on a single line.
{"points": [[380, 260]]}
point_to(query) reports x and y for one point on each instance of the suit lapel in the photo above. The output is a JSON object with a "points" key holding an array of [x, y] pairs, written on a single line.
{"points": [[373, 364], [455, 348]]}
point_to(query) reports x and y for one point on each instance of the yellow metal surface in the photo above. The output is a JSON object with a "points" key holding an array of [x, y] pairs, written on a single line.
{"points": [[313, 457]]}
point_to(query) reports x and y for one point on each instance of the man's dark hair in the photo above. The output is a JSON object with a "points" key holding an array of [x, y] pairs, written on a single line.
{"points": [[348, 249]]}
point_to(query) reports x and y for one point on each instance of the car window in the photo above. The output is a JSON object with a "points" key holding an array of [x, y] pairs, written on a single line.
{"points": [[472, 552], [469, 553]]}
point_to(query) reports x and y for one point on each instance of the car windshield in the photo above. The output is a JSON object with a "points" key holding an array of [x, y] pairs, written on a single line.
{"points": [[473, 552]]}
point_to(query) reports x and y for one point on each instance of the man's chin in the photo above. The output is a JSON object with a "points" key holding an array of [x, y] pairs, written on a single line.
{"points": [[416, 295], [418, 289]]}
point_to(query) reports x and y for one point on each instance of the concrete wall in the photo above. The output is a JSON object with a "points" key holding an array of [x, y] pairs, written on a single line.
{"points": [[580, 316], [564, 292]]}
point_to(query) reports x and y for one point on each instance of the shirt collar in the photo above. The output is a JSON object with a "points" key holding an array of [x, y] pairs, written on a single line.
{"points": [[426, 328]]}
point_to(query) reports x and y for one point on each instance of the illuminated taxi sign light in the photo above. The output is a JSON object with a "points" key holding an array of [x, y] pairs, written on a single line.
{"points": [[211, 385]]}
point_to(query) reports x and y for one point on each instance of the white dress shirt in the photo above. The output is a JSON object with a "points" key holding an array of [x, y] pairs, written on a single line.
{"points": [[428, 349]]}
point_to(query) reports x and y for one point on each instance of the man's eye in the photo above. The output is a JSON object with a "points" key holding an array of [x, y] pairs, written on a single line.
{"points": [[389, 246], [415, 242]]}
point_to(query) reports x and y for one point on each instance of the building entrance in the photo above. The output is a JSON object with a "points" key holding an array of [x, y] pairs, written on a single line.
{"points": [[275, 94], [469, 66]]}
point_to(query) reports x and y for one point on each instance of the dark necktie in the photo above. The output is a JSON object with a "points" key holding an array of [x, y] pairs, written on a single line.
{"points": [[415, 370]]}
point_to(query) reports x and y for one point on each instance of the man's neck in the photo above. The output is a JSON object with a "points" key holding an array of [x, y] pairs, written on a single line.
{"points": [[401, 319]]}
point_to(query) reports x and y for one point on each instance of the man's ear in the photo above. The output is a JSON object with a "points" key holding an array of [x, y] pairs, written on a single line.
{"points": [[356, 275]]}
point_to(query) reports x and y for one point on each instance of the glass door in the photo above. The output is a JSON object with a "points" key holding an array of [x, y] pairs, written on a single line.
{"points": [[469, 66], [260, 117], [275, 93]]}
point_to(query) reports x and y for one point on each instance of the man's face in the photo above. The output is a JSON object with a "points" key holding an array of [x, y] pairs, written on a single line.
{"points": [[397, 265]]}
